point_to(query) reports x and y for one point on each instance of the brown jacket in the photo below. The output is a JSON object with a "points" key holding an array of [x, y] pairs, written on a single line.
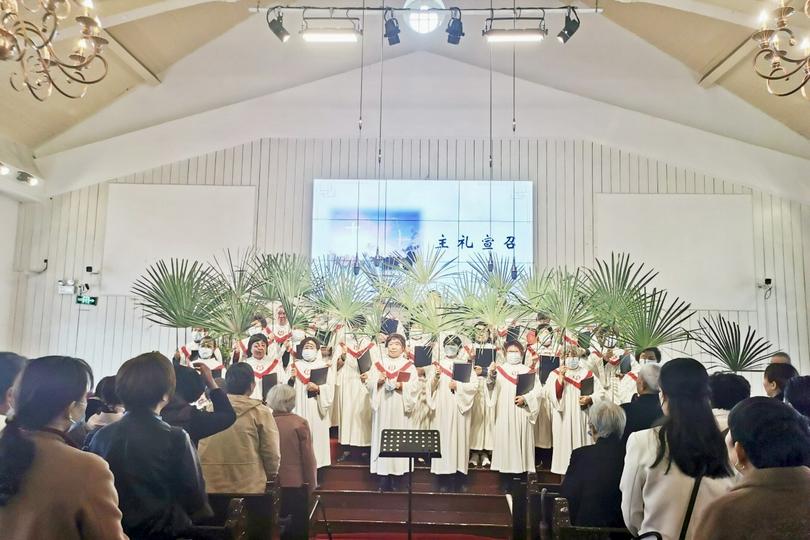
{"points": [[241, 458], [297, 456], [766, 504], [67, 494]]}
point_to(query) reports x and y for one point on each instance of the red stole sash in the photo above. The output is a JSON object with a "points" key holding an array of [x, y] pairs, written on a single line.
{"points": [[282, 339], [357, 354], [263, 374], [506, 376], [445, 371], [577, 384], [392, 375], [531, 350], [632, 375], [300, 377], [185, 352]]}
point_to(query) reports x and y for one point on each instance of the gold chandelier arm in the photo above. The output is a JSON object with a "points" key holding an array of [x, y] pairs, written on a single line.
{"points": [[799, 87]]}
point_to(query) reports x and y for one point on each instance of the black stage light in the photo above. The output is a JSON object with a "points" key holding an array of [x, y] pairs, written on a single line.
{"points": [[391, 27], [570, 28], [278, 28], [455, 28]]}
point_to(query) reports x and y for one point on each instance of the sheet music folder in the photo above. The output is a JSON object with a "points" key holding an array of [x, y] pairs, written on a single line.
{"points": [[410, 443]]}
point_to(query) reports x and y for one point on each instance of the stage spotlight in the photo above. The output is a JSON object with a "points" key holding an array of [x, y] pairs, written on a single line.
{"points": [[570, 28], [514, 272], [391, 27], [277, 27], [491, 263], [4, 169], [26, 178], [455, 28], [356, 266]]}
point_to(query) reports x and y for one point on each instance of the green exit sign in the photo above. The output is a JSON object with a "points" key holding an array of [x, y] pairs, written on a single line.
{"points": [[85, 300]]}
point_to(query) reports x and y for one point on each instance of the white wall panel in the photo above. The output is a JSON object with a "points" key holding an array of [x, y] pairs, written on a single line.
{"points": [[69, 229]]}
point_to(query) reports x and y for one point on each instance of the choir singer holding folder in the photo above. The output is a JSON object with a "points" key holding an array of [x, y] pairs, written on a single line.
{"points": [[314, 392]]}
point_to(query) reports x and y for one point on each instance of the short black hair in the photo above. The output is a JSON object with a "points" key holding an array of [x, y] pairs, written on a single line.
{"points": [[253, 339], [141, 382], [781, 354], [11, 365], [259, 317], [797, 393], [780, 374], [655, 350], [452, 340], [105, 391], [771, 432], [239, 378], [728, 389], [513, 343], [190, 384]]}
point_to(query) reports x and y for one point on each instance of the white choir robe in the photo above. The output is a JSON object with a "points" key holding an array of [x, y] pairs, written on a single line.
{"points": [[316, 409], [542, 426], [422, 414], [513, 431], [390, 409], [627, 386], [354, 426], [609, 374], [569, 421], [451, 416], [264, 367], [215, 365], [481, 417], [185, 353]]}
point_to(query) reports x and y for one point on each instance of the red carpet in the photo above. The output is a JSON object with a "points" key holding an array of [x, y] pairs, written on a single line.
{"points": [[401, 536]]}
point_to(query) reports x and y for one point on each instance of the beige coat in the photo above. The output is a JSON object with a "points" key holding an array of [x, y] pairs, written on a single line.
{"points": [[67, 494], [239, 459]]}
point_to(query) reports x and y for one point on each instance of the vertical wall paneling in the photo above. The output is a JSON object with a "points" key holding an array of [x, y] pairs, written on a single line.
{"points": [[69, 229]]}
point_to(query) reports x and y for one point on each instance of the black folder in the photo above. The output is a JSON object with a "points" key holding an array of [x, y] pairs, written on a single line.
{"points": [[268, 382], [389, 326], [586, 387], [547, 365], [484, 357], [462, 372], [323, 336], [299, 349], [364, 362], [422, 356], [513, 333], [525, 383], [317, 376]]}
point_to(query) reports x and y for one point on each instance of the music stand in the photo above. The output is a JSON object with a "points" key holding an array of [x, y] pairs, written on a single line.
{"points": [[411, 444]]}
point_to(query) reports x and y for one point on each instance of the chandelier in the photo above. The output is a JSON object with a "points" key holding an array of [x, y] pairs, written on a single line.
{"points": [[28, 29], [781, 60]]}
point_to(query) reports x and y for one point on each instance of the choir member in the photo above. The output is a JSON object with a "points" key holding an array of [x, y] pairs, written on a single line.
{"points": [[392, 384], [263, 365], [209, 354], [258, 325], [539, 351], [451, 403], [313, 402], [627, 386], [605, 363], [481, 419], [422, 414], [513, 414], [569, 415], [354, 427], [189, 353]]}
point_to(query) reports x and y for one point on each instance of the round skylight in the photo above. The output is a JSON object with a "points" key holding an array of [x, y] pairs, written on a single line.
{"points": [[421, 19]]}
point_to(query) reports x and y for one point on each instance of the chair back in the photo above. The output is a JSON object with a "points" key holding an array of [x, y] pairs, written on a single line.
{"points": [[563, 530], [262, 511]]}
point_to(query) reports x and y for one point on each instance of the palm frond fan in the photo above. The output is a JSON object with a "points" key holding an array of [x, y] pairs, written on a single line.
{"points": [[382, 275], [655, 322], [431, 316], [293, 284], [530, 289], [565, 304], [500, 276], [476, 302], [233, 294], [423, 272], [339, 294], [175, 294], [723, 341], [265, 269]]}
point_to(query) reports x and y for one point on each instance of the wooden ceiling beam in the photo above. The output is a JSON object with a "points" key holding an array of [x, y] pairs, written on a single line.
{"points": [[132, 61]]}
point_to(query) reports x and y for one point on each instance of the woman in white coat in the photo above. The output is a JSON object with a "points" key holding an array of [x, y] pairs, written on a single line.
{"points": [[681, 464]]}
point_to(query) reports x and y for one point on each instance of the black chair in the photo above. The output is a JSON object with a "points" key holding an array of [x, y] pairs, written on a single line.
{"points": [[234, 526], [563, 530], [262, 511]]}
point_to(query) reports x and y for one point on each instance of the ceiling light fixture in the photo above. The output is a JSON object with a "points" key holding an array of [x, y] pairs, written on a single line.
{"points": [[331, 34], [27, 178], [277, 26], [27, 37], [571, 26], [515, 35], [391, 27], [782, 61], [4, 169], [455, 28]]}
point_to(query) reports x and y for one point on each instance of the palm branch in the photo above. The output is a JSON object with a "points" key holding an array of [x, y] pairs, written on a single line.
{"points": [[654, 322], [431, 316], [233, 293], [338, 293], [500, 277], [530, 289], [382, 276], [564, 303], [265, 269], [293, 284], [722, 340], [174, 295], [476, 302], [422, 272]]}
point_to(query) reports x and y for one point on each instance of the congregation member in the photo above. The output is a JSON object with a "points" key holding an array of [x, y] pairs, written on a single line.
{"points": [[111, 410], [393, 387], [312, 401], [645, 410], [181, 411], [298, 467], [156, 468], [627, 386], [10, 367], [265, 365], [354, 423], [513, 415], [451, 402], [728, 389], [672, 472], [569, 408], [481, 442], [50, 490], [775, 379], [769, 445], [780, 358], [797, 394], [591, 483], [242, 458]]}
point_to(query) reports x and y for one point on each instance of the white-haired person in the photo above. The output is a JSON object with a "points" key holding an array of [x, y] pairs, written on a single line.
{"points": [[298, 465], [591, 482], [643, 411], [627, 386]]}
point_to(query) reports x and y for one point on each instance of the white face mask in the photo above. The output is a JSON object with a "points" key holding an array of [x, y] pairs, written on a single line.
{"points": [[253, 330], [309, 354], [513, 357], [205, 353], [197, 336], [451, 350], [572, 362]]}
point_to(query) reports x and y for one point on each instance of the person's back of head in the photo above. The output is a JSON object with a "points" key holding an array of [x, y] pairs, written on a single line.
{"points": [[281, 398], [51, 390], [649, 378], [797, 393], [771, 433], [689, 435], [239, 379], [780, 358], [606, 420], [728, 389], [105, 391], [10, 367], [190, 385], [145, 383], [776, 378]]}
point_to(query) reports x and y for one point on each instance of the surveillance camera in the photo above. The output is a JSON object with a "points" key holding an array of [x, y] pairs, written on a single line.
{"points": [[88, 269], [768, 281]]}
